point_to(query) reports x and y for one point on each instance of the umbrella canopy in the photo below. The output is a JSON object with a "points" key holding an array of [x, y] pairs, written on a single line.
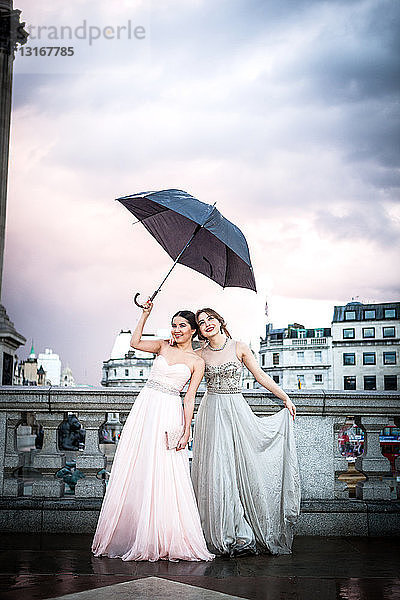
{"points": [[195, 234]]}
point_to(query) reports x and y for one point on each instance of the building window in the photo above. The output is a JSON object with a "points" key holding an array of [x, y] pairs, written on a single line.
{"points": [[388, 332], [349, 358], [348, 334], [318, 378], [349, 383], [301, 333], [126, 372], [389, 358], [369, 358], [141, 373], [318, 356], [275, 358], [390, 382], [115, 372], [369, 382], [368, 332], [350, 315], [263, 360], [369, 314], [300, 356], [389, 313], [276, 378], [319, 333]]}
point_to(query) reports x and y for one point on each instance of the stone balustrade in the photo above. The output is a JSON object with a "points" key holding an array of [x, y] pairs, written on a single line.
{"points": [[320, 416]]}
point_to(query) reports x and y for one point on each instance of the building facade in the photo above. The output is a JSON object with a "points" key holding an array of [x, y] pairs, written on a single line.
{"points": [[296, 357], [126, 366], [366, 346], [29, 372], [67, 378], [51, 364]]}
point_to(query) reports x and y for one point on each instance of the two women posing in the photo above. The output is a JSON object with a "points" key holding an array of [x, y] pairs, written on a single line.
{"points": [[244, 469]]}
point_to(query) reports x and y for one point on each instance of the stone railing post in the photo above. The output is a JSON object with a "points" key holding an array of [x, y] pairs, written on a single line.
{"points": [[372, 462], [3, 430], [49, 459], [340, 487], [12, 486], [316, 460], [91, 460]]}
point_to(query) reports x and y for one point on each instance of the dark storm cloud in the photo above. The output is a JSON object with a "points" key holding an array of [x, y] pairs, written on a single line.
{"points": [[360, 223], [358, 60], [359, 72]]}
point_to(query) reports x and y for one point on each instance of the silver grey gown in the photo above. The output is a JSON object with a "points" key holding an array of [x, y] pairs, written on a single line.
{"points": [[244, 469]]}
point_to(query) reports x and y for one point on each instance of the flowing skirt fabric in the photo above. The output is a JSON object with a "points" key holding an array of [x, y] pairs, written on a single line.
{"points": [[149, 510], [245, 476]]}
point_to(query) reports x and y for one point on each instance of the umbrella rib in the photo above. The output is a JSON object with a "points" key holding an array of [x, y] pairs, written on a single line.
{"points": [[226, 263]]}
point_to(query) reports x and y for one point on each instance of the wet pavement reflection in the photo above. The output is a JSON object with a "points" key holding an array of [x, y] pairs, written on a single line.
{"points": [[45, 566]]}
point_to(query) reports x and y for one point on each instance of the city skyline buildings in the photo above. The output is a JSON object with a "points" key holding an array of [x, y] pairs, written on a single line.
{"points": [[359, 351]]}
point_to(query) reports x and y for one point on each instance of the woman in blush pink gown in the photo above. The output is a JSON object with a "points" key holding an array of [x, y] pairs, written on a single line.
{"points": [[149, 511]]}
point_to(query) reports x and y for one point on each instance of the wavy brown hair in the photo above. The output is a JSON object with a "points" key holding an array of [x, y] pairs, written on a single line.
{"points": [[212, 313]]}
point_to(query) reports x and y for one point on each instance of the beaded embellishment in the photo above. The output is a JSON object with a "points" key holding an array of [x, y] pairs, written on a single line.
{"points": [[162, 387], [224, 379]]}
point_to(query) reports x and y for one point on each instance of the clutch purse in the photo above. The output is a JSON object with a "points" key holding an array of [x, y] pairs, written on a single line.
{"points": [[172, 437]]}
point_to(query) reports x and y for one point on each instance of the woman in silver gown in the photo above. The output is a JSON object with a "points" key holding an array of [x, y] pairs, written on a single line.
{"points": [[244, 469]]}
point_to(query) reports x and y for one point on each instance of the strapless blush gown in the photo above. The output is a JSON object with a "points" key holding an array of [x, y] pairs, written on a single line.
{"points": [[149, 511]]}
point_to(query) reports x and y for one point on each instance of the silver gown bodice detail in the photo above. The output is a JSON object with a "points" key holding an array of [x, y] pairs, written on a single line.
{"points": [[224, 379], [223, 371]]}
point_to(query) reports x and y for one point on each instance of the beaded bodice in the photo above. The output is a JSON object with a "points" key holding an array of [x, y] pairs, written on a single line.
{"points": [[223, 371], [167, 378]]}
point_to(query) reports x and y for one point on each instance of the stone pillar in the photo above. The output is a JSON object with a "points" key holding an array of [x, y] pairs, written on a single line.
{"points": [[91, 460], [372, 462], [49, 459], [340, 490], [316, 460], [3, 429], [13, 459], [12, 34]]}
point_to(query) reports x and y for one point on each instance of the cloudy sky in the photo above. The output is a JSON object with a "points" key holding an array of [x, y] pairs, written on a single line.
{"points": [[284, 112]]}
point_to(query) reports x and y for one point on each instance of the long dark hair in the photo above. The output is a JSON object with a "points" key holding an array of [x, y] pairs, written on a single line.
{"points": [[212, 313], [190, 318]]}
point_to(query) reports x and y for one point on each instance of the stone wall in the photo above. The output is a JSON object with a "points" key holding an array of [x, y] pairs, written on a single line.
{"points": [[327, 508]]}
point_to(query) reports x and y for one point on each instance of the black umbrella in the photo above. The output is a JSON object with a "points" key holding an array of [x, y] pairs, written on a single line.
{"points": [[194, 234]]}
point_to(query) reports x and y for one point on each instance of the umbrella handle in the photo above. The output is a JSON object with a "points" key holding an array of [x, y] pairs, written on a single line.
{"points": [[151, 298], [136, 302]]}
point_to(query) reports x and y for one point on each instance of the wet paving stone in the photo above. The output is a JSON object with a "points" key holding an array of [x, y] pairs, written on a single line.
{"points": [[42, 567]]}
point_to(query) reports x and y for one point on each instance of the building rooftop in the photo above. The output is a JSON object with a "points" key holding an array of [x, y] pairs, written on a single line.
{"points": [[122, 344], [292, 331], [356, 311]]}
